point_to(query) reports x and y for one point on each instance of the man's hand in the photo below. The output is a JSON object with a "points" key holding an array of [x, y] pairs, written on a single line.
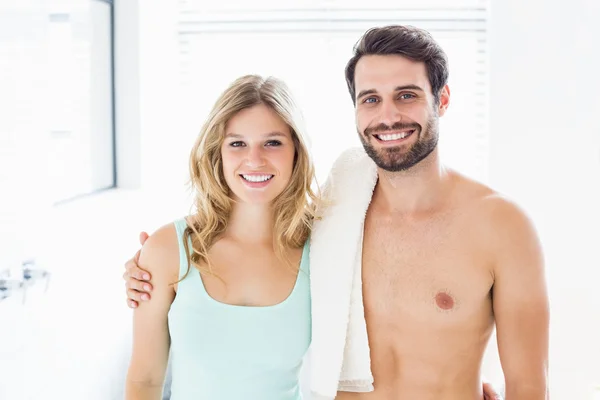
{"points": [[136, 279], [489, 393]]}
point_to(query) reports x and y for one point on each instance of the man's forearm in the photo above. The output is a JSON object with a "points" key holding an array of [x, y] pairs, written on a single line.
{"points": [[526, 392], [143, 391]]}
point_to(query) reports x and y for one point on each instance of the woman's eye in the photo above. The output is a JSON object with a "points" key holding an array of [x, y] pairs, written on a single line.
{"points": [[273, 143], [236, 144]]}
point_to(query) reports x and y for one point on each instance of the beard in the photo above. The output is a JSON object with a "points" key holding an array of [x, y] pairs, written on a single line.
{"points": [[402, 157]]}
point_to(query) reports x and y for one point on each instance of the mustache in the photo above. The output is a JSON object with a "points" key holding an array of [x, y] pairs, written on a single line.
{"points": [[382, 128]]}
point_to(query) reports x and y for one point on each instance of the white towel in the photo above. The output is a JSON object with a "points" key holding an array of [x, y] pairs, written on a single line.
{"points": [[340, 356]]}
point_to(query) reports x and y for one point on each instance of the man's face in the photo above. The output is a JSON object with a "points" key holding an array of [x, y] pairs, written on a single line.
{"points": [[396, 112]]}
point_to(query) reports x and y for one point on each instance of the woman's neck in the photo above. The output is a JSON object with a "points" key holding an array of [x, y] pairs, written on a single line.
{"points": [[251, 223]]}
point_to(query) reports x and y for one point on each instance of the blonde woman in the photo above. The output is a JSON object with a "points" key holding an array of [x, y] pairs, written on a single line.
{"points": [[231, 299]]}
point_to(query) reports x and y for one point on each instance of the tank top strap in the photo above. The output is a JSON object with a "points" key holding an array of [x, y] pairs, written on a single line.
{"points": [[305, 262], [180, 227]]}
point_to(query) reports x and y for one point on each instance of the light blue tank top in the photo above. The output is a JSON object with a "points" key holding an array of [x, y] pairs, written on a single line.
{"points": [[229, 352]]}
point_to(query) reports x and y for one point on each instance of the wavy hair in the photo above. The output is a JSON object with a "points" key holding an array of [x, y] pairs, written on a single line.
{"points": [[294, 208]]}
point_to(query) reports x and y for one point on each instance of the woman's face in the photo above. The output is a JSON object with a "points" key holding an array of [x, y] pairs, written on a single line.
{"points": [[258, 155]]}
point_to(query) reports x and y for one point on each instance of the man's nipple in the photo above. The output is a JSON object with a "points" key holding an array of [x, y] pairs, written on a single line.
{"points": [[444, 301]]}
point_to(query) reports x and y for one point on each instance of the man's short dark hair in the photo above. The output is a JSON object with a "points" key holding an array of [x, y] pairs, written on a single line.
{"points": [[407, 41]]}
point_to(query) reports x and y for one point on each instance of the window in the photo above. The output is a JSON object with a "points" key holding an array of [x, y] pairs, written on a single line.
{"points": [[307, 44], [80, 98], [56, 124]]}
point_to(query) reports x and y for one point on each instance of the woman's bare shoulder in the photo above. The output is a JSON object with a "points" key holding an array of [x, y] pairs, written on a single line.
{"points": [[160, 253]]}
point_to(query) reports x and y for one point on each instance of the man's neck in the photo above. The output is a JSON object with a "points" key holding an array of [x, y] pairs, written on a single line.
{"points": [[419, 189], [251, 223]]}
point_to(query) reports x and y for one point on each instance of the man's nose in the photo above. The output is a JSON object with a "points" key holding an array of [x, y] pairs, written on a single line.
{"points": [[390, 114]]}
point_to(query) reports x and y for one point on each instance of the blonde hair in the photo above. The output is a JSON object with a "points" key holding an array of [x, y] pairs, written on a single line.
{"points": [[294, 208]]}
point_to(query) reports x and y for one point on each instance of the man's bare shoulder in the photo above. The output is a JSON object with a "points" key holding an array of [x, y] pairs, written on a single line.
{"points": [[486, 204], [500, 222], [495, 214], [501, 213]]}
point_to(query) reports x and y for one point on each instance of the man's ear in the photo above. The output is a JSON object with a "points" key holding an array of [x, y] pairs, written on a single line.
{"points": [[444, 100]]}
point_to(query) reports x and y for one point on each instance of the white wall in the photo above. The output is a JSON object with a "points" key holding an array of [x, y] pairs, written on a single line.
{"points": [[149, 154], [127, 93], [545, 153]]}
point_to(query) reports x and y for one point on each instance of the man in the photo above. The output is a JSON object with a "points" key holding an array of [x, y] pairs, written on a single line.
{"points": [[444, 257]]}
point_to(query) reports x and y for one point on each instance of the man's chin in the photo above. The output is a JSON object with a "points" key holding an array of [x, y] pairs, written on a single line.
{"points": [[391, 165]]}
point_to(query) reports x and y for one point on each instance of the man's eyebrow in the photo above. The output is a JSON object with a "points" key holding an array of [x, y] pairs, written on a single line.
{"points": [[365, 92], [409, 87], [397, 89]]}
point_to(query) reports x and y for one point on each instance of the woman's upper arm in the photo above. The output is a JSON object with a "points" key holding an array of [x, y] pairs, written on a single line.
{"points": [[159, 256]]}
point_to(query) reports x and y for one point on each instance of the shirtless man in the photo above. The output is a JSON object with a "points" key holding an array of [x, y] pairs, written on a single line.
{"points": [[444, 257]]}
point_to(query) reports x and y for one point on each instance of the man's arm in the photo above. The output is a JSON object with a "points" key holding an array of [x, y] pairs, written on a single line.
{"points": [[137, 280], [151, 339], [520, 302], [489, 392]]}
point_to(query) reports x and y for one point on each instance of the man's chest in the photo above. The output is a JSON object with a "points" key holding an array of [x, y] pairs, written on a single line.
{"points": [[430, 269]]}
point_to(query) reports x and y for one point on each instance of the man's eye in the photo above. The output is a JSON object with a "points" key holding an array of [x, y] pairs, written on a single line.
{"points": [[236, 144], [273, 143], [370, 100], [407, 96]]}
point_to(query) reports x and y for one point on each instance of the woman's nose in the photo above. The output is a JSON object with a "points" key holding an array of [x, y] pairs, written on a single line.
{"points": [[255, 157]]}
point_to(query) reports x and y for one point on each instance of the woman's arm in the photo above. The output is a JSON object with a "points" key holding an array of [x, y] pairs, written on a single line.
{"points": [[151, 341]]}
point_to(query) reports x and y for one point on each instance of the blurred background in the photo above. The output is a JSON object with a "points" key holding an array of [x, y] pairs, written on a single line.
{"points": [[100, 102]]}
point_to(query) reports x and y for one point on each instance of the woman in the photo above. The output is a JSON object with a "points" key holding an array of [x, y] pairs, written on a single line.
{"points": [[231, 297]]}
